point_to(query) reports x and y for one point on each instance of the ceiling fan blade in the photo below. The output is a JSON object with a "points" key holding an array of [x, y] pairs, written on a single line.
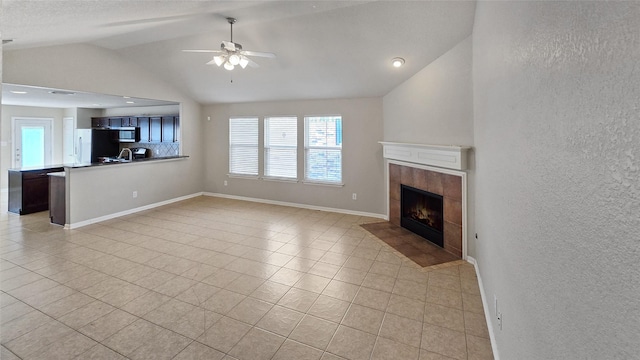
{"points": [[204, 51], [252, 63], [258, 53]]}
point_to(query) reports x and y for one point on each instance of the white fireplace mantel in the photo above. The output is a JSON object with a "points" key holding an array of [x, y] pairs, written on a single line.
{"points": [[449, 157]]}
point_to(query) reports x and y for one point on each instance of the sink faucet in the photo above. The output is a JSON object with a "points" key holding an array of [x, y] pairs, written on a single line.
{"points": [[130, 157]]}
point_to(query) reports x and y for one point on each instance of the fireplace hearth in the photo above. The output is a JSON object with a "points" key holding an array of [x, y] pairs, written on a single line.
{"points": [[422, 213]]}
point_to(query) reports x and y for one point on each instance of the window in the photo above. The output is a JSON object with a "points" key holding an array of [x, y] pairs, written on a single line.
{"points": [[281, 147], [323, 149], [243, 146]]}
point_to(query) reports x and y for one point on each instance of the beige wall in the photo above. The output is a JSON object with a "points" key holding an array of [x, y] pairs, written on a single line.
{"points": [[362, 155], [94, 69], [435, 106]]}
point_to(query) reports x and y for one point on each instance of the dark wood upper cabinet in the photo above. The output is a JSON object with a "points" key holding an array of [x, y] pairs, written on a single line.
{"points": [[164, 129], [176, 129], [99, 122], [129, 121], [168, 129], [155, 131], [115, 122], [144, 124]]}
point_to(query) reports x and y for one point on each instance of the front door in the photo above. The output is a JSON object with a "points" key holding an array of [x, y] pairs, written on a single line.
{"points": [[32, 142]]}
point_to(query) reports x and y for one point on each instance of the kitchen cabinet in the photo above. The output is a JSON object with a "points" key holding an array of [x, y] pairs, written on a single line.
{"points": [[29, 190], [100, 122], [176, 129], [155, 129], [129, 121], [168, 129], [143, 123], [115, 122], [57, 201]]}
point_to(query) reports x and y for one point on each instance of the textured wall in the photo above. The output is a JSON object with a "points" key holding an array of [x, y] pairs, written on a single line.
{"points": [[557, 136]]}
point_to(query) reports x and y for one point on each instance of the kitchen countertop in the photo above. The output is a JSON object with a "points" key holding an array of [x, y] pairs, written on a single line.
{"points": [[76, 166]]}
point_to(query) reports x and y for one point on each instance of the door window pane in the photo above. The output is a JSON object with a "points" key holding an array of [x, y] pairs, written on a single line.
{"points": [[32, 146]]}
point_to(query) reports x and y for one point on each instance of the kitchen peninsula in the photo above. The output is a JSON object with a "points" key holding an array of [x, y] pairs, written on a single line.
{"points": [[96, 191]]}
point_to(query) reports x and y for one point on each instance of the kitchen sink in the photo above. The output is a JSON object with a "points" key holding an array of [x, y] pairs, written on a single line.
{"points": [[109, 160]]}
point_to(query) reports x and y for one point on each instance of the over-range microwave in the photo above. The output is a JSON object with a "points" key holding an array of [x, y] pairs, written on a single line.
{"points": [[127, 134]]}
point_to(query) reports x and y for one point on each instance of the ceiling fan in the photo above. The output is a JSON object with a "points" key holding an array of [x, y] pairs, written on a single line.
{"points": [[231, 54]]}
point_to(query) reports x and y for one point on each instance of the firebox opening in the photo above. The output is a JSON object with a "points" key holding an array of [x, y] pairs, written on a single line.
{"points": [[422, 213]]}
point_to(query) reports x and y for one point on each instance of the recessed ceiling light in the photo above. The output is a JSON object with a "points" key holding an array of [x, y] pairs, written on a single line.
{"points": [[397, 62], [18, 92], [130, 102], [126, 97]]}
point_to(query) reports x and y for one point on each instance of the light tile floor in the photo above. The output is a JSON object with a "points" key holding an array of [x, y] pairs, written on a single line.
{"points": [[212, 278]]}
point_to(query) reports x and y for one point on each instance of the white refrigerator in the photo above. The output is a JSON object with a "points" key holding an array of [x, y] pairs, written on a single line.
{"points": [[83, 146]]}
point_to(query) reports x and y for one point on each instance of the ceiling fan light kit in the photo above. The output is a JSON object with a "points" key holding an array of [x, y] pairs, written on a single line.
{"points": [[231, 54]]}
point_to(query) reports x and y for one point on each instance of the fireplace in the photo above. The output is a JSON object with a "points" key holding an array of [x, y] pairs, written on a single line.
{"points": [[439, 170], [422, 213], [448, 186]]}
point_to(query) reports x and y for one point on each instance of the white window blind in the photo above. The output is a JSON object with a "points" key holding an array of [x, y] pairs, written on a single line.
{"points": [[281, 147], [323, 149], [243, 146]]}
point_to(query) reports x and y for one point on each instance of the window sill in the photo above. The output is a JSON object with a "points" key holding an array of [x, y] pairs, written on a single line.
{"points": [[320, 183], [279, 179], [248, 177]]}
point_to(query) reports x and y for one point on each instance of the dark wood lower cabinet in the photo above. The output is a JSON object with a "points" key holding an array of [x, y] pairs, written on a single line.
{"points": [[57, 199], [29, 190]]}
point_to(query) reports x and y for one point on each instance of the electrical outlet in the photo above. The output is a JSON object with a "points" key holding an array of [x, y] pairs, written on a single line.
{"points": [[499, 317], [354, 196], [135, 194], [225, 183]]}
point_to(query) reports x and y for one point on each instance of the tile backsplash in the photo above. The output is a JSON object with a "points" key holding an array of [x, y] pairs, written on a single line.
{"points": [[157, 149]]}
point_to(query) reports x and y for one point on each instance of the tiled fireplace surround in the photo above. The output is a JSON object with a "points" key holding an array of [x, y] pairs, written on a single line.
{"points": [[447, 185]]}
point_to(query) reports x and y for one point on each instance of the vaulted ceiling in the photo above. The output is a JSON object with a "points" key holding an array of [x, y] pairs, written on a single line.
{"points": [[325, 49]]}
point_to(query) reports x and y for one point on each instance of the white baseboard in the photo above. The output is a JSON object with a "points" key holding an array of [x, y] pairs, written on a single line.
{"points": [[487, 314], [128, 212], [301, 206]]}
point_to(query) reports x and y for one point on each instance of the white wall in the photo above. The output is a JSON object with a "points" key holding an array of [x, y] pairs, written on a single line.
{"points": [[362, 155], [435, 106], [557, 135], [94, 69]]}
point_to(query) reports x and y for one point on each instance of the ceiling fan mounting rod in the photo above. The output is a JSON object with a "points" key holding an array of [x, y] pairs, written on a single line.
{"points": [[231, 21]]}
